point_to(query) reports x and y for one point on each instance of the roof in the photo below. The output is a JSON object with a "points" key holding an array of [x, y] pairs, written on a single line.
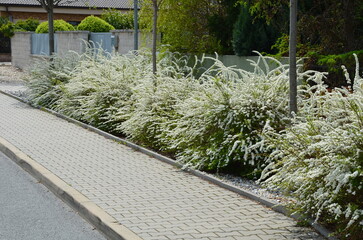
{"points": [[118, 4]]}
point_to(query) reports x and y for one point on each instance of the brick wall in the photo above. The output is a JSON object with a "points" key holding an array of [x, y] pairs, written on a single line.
{"points": [[3, 14], [44, 16]]}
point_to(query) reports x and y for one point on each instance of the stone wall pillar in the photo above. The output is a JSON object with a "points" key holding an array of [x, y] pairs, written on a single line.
{"points": [[125, 40], [21, 49]]}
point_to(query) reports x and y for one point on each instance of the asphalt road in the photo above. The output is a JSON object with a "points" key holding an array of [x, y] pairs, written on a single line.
{"points": [[29, 211]]}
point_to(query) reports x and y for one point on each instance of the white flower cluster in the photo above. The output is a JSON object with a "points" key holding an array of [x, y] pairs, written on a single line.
{"points": [[47, 78], [220, 123], [318, 158]]}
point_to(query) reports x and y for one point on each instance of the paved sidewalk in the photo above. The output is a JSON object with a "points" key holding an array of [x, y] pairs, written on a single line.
{"points": [[151, 198]]}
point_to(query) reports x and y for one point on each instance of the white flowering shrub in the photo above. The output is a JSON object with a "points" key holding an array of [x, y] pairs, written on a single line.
{"points": [[220, 125], [154, 100], [319, 158], [100, 91], [212, 122], [46, 79]]}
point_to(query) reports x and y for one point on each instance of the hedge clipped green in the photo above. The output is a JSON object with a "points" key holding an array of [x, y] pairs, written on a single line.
{"points": [[8, 28], [118, 19], [30, 24], [59, 25], [95, 24]]}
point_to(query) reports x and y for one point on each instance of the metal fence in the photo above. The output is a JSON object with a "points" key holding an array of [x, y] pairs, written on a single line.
{"points": [[40, 44], [4, 44], [106, 41]]}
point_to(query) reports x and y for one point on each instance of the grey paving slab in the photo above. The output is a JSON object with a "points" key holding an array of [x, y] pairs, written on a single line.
{"points": [[151, 198]]}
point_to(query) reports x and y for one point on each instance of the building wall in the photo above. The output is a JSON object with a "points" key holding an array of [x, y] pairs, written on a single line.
{"points": [[3, 14], [44, 17], [67, 14]]}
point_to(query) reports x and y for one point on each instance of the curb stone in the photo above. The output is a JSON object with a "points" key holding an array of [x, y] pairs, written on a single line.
{"points": [[105, 223], [250, 195]]}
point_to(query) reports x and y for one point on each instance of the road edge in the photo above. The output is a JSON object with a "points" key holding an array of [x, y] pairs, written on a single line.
{"points": [[92, 213]]}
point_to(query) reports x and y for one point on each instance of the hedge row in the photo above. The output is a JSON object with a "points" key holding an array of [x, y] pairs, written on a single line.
{"points": [[225, 120]]}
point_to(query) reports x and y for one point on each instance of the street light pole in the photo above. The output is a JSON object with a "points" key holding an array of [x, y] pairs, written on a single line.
{"points": [[292, 56], [136, 27]]}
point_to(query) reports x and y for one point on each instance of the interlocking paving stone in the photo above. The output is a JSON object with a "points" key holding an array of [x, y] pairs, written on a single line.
{"points": [[154, 199]]}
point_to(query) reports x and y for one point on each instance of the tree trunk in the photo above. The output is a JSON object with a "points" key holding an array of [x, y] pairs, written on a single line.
{"points": [[136, 27], [292, 56], [51, 28], [155, 21]]}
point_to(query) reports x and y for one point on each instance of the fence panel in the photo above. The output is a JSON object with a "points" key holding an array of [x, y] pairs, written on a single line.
{"points": [[40, 44], [102, 40], [4, 44]]}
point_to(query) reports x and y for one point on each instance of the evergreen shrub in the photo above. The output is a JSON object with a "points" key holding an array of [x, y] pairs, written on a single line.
{"points": [[8, 28], [251, 34], [29, 24], [59, 25], [94, 24], [118, 19]]}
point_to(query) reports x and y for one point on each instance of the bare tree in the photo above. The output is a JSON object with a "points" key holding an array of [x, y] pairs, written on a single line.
{"points": [[292, 56], [155, 23], [136, 26], [49, 5], [156, 4]]}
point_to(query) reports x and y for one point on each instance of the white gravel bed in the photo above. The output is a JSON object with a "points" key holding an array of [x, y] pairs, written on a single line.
{"points": [[11, 80], [10, 74], [254, 187]]}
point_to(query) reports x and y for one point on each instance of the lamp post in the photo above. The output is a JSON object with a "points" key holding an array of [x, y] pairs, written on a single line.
{"points": [[292, 57]]}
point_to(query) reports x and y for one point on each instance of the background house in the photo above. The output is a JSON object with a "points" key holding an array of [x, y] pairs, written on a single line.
{"points": [[72, 12]]}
